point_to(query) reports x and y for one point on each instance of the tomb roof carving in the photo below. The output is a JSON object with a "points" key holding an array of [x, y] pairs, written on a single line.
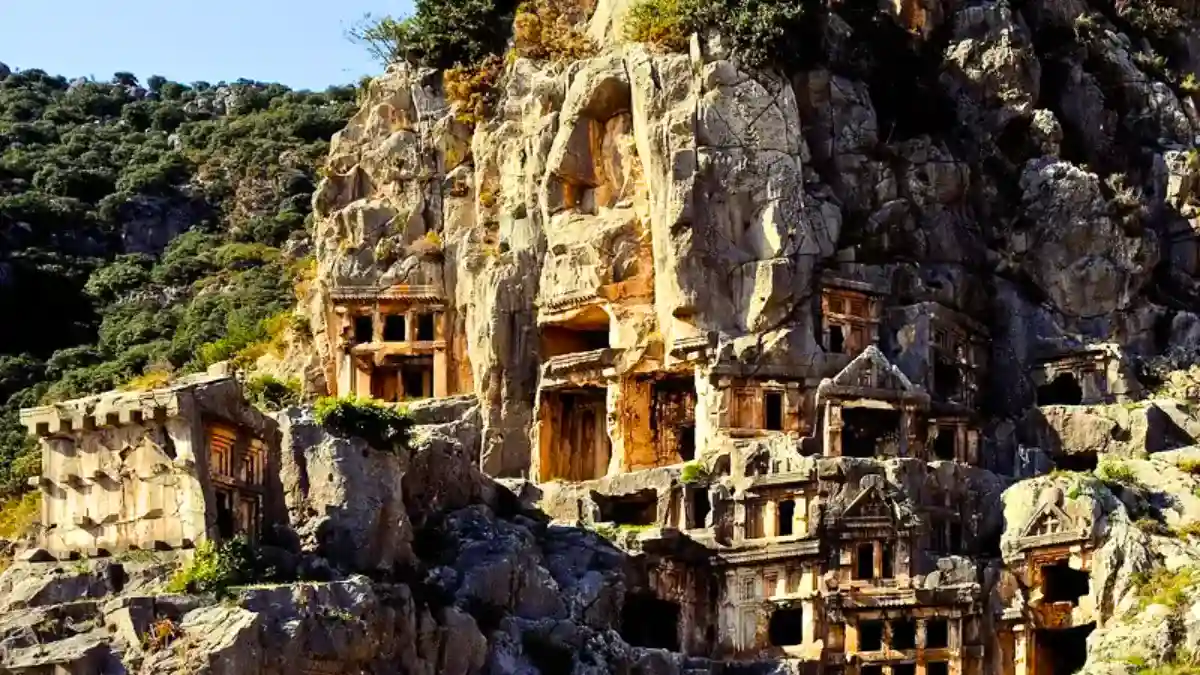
{"points": [[1051, 524], [870, 374], [217, 395], [412, 292]]}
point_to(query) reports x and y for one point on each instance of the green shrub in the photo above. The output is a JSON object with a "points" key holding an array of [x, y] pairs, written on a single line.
{"points": [[1152, 526], [216, 567], [1191, 466], [694, 473], [440, 33], [1118, 472], [20, 515], [383, 426], [666, 23], [762, 33], [1164, 587], [271, 393]]}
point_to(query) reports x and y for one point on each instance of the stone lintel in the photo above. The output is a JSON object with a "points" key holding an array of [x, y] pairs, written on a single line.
{"points": [[410, 292], [596, 365], [114, 408], [768, 551]]}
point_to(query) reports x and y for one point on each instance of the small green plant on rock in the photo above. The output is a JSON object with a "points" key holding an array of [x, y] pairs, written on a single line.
{"points": [[694, 473], [1118, 472], [216, 567], [665, 23], [1153, 527], [1164, 587], [383, 426], [271, 393]]}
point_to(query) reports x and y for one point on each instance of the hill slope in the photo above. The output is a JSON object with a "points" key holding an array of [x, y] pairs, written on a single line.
{"points": [[145, 227]]}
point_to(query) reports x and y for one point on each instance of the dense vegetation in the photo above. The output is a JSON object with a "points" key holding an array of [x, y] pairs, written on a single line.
{"points": [[382, 425], [146, 231]]}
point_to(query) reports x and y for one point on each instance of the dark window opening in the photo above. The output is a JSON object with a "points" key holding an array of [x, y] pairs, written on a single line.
{"points": [[943, 445], [647, 621], [773, 410], [701, 506], [425, 328], [904, 669], [937, 634], [364, 329], [550, 658], [937, 536], [1061, 652], [1060, 583], [864, 562], [787, 511], [639, 508], [947, 380], [394, 329], [559, 340], [937, 668], [786, 627], [416, 378], [871, 670], [870, 636], [904, 634], [837, 341], [1085, 462], [1064, 390], [687, 442], [956, 538], [868, 432], [888, 562], [225, 521]]}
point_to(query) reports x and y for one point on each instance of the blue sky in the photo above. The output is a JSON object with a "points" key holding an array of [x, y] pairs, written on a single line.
{"points": [[299, 43]]}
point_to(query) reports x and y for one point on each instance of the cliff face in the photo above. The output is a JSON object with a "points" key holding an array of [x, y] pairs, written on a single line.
{"points": [[635, 257]]}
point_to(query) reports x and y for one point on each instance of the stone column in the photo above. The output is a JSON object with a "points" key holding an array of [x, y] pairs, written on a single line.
{"points": [[345, 381], [441, 374], [362, 381], [832, 440]]}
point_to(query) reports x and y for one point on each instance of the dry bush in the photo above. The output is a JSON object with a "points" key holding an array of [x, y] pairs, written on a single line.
{"points": [[472, 89], [161, 635], [550, 29]]}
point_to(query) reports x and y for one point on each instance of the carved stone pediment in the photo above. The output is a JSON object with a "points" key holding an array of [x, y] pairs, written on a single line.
{"points": [[872, 369], [1050, 524]]}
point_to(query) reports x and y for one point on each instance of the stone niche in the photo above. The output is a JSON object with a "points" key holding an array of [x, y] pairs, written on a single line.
{"points": [[1045, 625], [573, 441], [154, 470], [755, 407], [1086, 376], [940, 350], [871, 409], [393, 344], [850, 313]]}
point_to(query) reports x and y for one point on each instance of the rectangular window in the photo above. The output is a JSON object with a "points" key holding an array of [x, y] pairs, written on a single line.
{"points": [[787, 511], [904, 669], [425, 328], [937, 634], [937, 668], [773, 411], [870, 636], [394, 328], [364, 329], [864, 561], [837, 340], [904, 634]]}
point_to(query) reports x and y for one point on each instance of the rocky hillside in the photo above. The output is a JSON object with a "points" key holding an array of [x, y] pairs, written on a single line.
{"points": [[151, 227]]}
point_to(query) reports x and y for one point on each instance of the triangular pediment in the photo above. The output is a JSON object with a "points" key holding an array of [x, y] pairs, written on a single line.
{"points": [[871, 369], [1049, 519], [871, 502]]}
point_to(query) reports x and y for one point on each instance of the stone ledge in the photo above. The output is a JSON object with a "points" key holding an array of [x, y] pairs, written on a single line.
{"points": [[115, 408]]}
